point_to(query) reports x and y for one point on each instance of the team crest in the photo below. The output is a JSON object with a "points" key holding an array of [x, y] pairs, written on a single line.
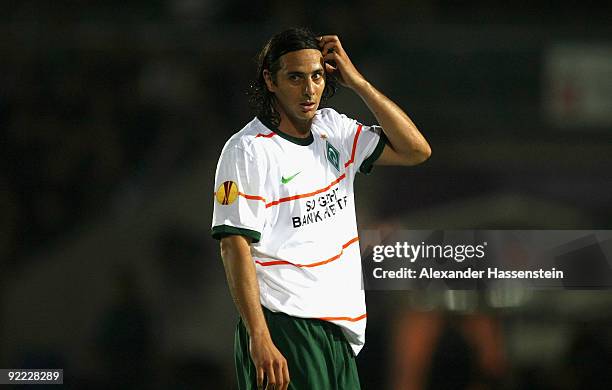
{"points": [[227, 193], [333, 156]]}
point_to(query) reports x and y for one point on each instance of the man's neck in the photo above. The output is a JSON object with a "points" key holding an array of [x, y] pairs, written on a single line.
{"points": [[298, 130]]}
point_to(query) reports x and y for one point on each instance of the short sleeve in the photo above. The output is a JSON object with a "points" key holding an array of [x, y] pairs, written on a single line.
{"points": [[364, 143], [239, 199]]}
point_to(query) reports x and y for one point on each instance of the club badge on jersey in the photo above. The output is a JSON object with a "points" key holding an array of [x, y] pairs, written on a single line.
{"points": [[333, 156]]}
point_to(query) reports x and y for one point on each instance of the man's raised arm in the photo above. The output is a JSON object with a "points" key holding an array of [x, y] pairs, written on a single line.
{"points": [[407, 146]]}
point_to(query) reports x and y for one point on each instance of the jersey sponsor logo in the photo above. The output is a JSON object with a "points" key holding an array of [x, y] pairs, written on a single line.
{"points": [[287, 180], [227, 193], [321, 208], [333, 156]]}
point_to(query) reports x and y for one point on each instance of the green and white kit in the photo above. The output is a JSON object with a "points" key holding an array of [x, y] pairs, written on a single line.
{"points": [[294, 198]]}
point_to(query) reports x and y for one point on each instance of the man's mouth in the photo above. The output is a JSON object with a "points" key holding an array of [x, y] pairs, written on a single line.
{"points": [[307, 106]]}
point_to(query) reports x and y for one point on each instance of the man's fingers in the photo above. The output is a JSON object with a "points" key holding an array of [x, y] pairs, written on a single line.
{"points": [[271, 377], [278, 374], [330, 47], [332, 61], [286, 376], [329, 68], [328, 38], [260, 378], [331, 56]]}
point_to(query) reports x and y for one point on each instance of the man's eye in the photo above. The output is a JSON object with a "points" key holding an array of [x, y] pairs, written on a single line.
{"points": [[294, 77], [316, 76]]}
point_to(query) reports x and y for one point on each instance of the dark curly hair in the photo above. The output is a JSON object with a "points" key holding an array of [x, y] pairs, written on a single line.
{"points": [[261, 99]]}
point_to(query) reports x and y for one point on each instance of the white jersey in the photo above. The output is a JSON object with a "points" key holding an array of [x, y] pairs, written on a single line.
{"points": [[294, 198]]}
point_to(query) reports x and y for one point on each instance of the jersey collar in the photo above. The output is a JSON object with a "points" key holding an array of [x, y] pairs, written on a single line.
{"points": [[298, 141]]}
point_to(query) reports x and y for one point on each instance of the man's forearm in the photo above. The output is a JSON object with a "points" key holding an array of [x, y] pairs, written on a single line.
{"points": [[243, 284], [404, 137]]}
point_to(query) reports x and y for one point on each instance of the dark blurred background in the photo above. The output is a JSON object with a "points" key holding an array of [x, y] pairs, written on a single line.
{"points": [[113, 115]]}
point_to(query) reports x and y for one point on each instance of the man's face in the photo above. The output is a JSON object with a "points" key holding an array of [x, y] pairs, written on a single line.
{"points": [[299, 84]]}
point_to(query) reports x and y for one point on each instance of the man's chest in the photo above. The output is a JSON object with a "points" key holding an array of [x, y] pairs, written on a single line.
{"points": [[307, 186], [305, 170]]}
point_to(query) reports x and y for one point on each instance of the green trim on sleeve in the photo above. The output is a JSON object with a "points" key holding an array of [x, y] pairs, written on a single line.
{"points": [[218, 232], [368, 163]]}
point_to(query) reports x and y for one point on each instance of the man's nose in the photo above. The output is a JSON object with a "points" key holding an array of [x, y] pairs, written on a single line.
{"points": [[309, 87]]}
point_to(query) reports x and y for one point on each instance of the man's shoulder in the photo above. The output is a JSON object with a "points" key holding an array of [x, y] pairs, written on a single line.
{"points": [[245, 139], [328, 114], [330, 117], [334, 123]]}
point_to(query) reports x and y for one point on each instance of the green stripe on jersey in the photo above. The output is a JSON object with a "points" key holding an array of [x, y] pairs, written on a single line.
{"points": [[368, 163], [218, 232]]}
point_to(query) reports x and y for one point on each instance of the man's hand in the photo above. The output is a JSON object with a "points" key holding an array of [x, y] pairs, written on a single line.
{"points": [[338, 63], [269, 362]]}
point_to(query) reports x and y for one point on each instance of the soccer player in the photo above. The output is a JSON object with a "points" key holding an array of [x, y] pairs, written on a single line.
{"points": [[285, 214]]}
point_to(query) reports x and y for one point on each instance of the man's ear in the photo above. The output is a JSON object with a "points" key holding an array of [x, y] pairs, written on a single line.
{"points": [[268, 79]]}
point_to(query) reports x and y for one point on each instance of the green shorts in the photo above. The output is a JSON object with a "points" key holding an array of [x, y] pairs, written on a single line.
{"points": [[318, 355]]}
